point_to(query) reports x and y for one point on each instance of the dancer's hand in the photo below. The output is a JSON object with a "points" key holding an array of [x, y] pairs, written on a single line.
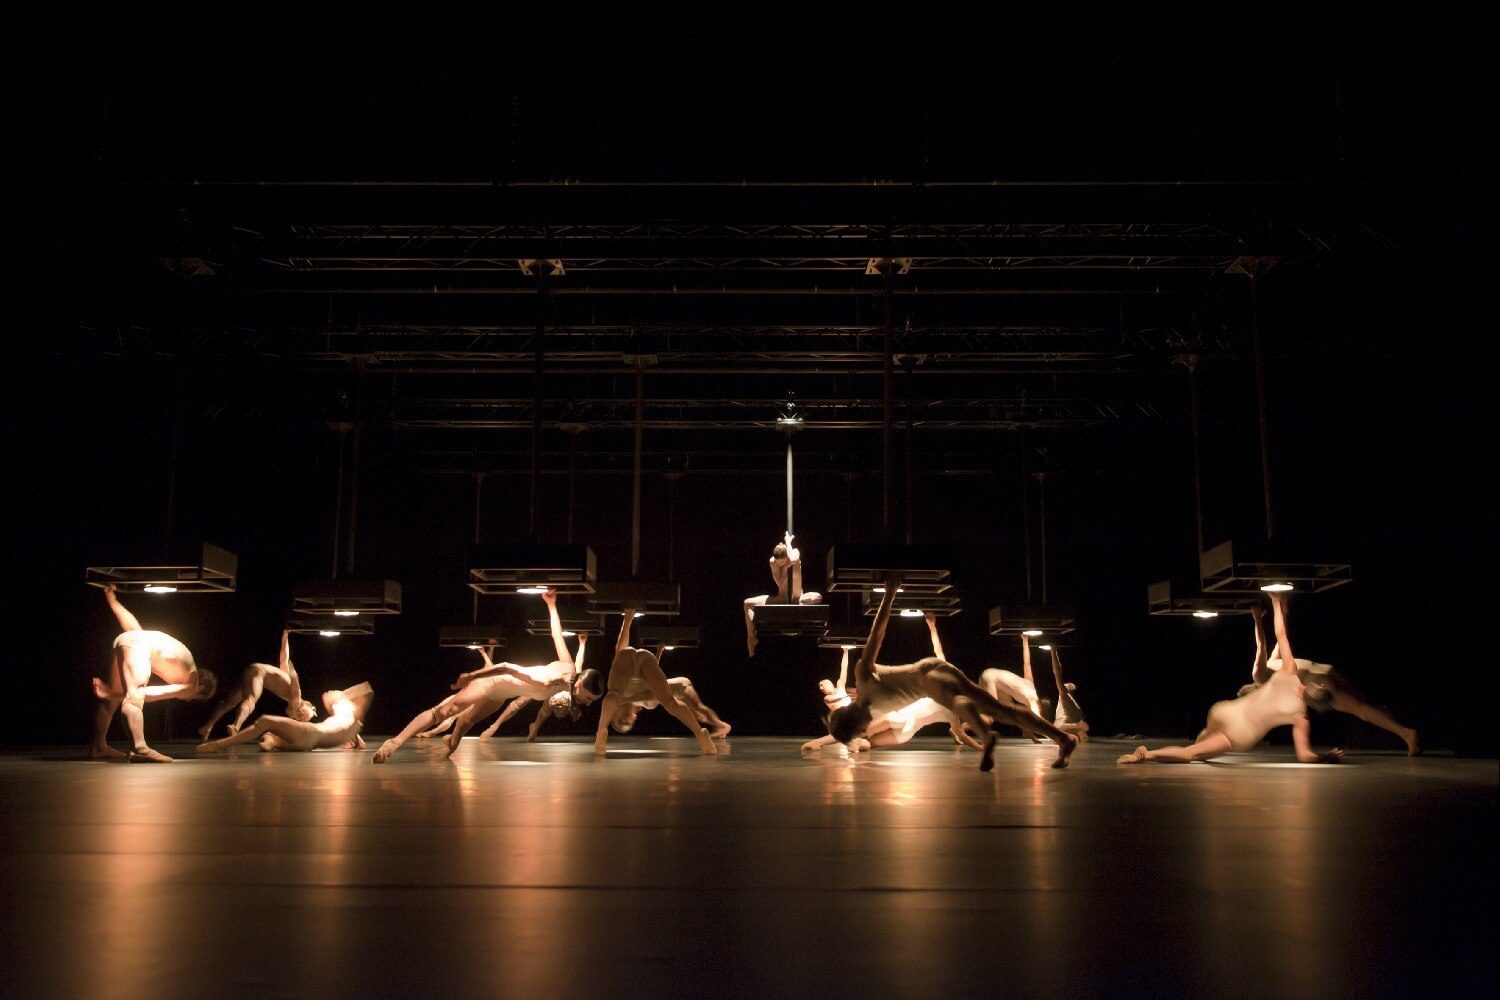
{"points": [[1257, 612], [550, 597], [1334, 756], [811, 746]]}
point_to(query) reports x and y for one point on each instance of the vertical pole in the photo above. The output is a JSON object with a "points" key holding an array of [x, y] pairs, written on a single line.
{"points": [[789, 484], [359, 384], [635, 474], [888, 273], [572, 476], [910, 368], [338, 503], [1026, 510], [1192, 367], [478, 508], [1041, 501], [536, 408], [172, 460], [1260, 398]]}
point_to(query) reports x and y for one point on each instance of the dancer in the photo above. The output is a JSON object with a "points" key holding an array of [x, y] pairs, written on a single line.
{"points": [[1068, 716], [1240, 724], [138, 654], [895, 728], [786, 571], [346, 713], [282, 682], [560, 705], [483, 691], [624, 720], [887, 689], [635, 676]]}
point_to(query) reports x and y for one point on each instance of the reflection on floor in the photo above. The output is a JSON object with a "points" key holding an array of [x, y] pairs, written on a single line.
{"points": [[657, 872]]}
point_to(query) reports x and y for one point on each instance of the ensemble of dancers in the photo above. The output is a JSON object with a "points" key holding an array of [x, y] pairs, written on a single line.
{"points": [[885, 706]]}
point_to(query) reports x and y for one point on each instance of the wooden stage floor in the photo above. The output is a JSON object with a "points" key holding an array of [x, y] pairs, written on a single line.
{"points": [[537, 871]]}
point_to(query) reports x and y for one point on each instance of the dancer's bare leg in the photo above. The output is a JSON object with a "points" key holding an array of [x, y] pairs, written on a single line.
{"points": [[650, 672], [254, 686], [279, 726], [1027, 721], [967, 712], [1214, 745], [751, 603], [511, 708], [1347, 703], [131, 664], [465, 721], [110, 696], [717, 727], [607, 710], [441, 727], [229, 701], [447, 708]]}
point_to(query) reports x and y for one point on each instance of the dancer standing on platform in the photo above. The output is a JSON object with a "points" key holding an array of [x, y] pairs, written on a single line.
{"points": [[280, 680], [138, 654], [888, 689], [624, 720], [346, 713], [786, 571], [1240, 724], [635, 677], [895, 728], [481, 692]]}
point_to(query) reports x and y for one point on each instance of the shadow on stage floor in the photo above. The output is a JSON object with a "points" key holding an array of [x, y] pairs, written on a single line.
{"points": [[539, 870]]}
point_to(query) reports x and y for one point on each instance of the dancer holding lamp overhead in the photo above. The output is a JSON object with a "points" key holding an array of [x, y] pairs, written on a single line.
{"points": [[138, 653], [888, 689], [1239, 724], [635, 676]]}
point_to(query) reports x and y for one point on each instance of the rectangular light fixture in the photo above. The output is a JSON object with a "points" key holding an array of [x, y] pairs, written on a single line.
{"points": [[470, 637], [791, 619], [206, 569], [346, 598], [673, 636], [1034, 620], [843, 635], [577, 624], [863, 567], [1162, 600], [1252, 568], [912, 605], [330, 626], [646, 598], [526, 568]]}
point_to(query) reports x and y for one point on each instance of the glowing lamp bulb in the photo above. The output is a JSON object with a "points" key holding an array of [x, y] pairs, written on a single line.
{"points": [[531, 590], [669, 648], [328, 633], [160, 588], [346, 614], [566, 633], [881, 590], [846, 647], [640, 614], [1276, 588], [1032, 633], [1046, 647], [1205, 614], [911, 613]]}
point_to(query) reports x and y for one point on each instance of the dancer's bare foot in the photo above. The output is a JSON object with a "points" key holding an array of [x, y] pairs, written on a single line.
{"points": [[105, 753], [721, 731], [358, 743], [1413, 748], [706, 744], [1065, 750], [203, 734], [234, 730], [601, 744], [145, 755], [751, 642], [451, 742], [387, 748], [811, 746], [987, 757], [1134, 757]]}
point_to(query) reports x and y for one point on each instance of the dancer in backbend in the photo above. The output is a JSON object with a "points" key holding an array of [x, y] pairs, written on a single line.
{"points": [[1068, 716], [635, 677], [561, 705], [1326, 690], [895, 728], [1240, 724], [280, 681], [346, 713], [625, 717], [138, 654], [786, 571], [481, 692], [888, 689]]}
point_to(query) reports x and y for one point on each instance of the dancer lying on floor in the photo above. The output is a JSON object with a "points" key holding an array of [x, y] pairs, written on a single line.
{"points": [[1240, 724], [635, 677], [345, 716], [625, 716], [786, 572], [1327, 690], [138, 654], [258, 677], [889, 689], [481, 692], [895, 728], [1068, 716]]}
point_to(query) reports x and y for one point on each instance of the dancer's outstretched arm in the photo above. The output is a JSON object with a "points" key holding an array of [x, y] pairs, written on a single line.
{"points": [[1301, 731], [559, 644], [1026, 661], [1260, 671], [1278, 611], [795, 596], [843, 683], [295, 695], [937, 644], [864, 670], [128, 622], [622, 641]]}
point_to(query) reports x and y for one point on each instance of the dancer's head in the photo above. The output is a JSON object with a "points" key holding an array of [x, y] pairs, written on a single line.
{"points": [[779, 554], [588, 687], [1317, 696], [848, 722], [562, 704], [207, 684], [625, 716], [302, 710]]}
